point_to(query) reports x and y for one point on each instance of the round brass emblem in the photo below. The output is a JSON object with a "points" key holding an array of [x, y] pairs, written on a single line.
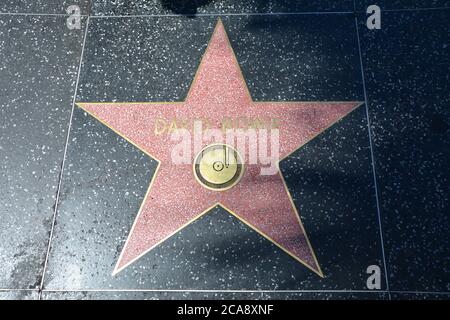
{"points": [[218, 167]]}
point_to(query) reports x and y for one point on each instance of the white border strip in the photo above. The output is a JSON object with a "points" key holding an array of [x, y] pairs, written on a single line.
{"points": [[372, 156], [63, 160]]}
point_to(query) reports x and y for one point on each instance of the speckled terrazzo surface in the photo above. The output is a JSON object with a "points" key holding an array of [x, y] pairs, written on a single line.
{"points": [[42, 6], [400, 73], [36, 91], [170, 7], [403, 4]]}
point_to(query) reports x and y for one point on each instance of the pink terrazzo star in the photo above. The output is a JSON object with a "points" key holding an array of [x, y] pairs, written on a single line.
{"points": [[175, 198]]}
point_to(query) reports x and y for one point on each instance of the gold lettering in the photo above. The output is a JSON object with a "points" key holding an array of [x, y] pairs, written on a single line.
{"points": [[275, 123], [172, 127], [256, 124], [242, 123], [227, 123], [206, 124], [160, 126]]}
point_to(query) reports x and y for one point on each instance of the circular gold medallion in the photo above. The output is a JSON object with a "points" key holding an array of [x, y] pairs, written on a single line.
{"points": [[218, 167]]}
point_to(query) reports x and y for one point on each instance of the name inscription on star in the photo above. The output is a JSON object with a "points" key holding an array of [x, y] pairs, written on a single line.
{"points": [[170, 126]]}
